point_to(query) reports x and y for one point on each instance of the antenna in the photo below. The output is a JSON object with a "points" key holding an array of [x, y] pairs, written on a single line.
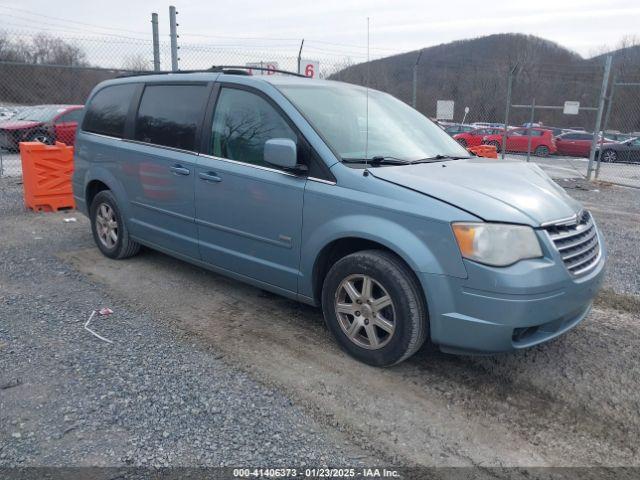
{"points": [[366, 138]]}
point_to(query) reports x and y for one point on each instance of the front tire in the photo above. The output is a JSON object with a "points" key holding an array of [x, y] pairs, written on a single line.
{"points": [[374, 307], [109, 229]]}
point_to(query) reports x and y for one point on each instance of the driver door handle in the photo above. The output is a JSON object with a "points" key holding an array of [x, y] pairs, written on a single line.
{"points": [[179, 169]]}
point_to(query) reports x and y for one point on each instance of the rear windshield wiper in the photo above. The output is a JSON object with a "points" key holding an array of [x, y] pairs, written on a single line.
{"points": [[378, 160]]}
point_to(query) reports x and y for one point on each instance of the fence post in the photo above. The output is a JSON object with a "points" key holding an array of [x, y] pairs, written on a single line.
{"points": [[300, 55], [414, 97], [531, 120], [605, 123], [503, 149], [156, 42], [173, 33], [596, 130]]}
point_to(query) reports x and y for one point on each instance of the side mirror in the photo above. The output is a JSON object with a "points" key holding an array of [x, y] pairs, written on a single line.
{"points": [[281, 152]]}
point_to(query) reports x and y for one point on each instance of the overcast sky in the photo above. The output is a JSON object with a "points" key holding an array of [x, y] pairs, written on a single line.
{"points": [[338, 25]]}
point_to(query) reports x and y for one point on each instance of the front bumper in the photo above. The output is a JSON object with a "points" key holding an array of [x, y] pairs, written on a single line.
{"points": [[502, 309]]}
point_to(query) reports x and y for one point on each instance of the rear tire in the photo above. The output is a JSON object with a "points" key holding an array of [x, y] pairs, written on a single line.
{"points": [[109, 229], [609, 156], [42, 137], [493, 143], [541, 151], [384, 324]]}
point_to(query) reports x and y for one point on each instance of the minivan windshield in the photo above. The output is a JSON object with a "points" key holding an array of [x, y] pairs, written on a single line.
{"points": [[396, 131]]}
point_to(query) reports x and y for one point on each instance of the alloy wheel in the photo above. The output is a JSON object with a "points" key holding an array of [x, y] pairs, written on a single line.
{"points": [[107, 225], [365, 311]]}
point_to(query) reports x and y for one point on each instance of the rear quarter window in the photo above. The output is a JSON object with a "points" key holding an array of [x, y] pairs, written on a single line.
{"points": [[106, 113], [171, 115]]}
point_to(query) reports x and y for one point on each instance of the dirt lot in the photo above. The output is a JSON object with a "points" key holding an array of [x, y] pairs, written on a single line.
{"points": [[252, 377]]}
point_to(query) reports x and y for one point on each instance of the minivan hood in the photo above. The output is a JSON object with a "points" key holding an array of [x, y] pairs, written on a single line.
{"points": [[494, 190]]}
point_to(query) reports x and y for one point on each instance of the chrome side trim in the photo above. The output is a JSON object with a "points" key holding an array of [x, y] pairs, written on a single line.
{"points": [[259, 167], [101, 135], [321, 180], [161, 210], [283, 242], [163, 147]]}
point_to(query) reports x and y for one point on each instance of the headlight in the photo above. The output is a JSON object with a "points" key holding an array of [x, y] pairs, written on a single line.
{"points": [[496, 244]]}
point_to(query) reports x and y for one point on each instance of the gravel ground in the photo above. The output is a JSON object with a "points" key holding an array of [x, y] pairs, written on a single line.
{"points": [[151, 398], [207, 371]]}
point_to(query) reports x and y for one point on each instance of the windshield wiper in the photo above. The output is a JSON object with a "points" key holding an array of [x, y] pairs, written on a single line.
{"points": [[437, 158], [378, 160]]}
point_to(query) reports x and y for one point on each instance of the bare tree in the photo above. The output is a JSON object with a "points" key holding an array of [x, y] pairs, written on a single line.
{"points": [[137, 63]]}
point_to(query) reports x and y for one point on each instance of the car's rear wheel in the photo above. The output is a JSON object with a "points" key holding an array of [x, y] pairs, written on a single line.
{"points": [[109, 229], [541, 151], [373, 306], [42, 137], [494, 143], [462, 142], [609, 156]]}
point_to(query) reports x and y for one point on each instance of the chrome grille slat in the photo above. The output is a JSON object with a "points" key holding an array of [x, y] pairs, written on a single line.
{"points": [[577, 243], [581, 229], [583, 249], [590, 234]]}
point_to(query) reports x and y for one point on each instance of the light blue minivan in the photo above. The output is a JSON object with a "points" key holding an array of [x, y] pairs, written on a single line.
{"points": [[341, 197]]}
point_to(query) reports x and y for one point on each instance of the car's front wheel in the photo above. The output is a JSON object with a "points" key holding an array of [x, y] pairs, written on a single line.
{"points": [[374, 308], [109, 229]]}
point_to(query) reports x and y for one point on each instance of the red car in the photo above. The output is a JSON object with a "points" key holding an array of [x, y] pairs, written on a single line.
{"points": [[577, 144], [542, 141], [474, 137], [42, 123]]}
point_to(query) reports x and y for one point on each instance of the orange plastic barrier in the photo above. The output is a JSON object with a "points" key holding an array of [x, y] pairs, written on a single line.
{"points": [[46, 176], [488, 151]]}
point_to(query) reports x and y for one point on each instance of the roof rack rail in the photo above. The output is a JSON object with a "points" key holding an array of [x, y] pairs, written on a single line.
{"points": [[228, 69]]}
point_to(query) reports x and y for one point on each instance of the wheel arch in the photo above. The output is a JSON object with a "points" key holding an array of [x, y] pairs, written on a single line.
{"points": [[343, 246]]}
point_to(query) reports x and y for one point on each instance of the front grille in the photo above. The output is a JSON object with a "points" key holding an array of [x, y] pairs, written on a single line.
{"points": [[577, 243]]}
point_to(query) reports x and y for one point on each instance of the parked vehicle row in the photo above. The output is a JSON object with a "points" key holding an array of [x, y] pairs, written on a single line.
{"points": [[615, 146], [42, 123]]}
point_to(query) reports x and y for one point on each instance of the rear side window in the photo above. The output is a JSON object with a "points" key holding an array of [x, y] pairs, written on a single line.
{"points": [[107, 112], [170, 115]]}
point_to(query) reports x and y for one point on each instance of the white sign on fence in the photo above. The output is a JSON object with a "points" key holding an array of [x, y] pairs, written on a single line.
{"points": [[309, 68], [571, 108], [271, 68], [444, 109]]}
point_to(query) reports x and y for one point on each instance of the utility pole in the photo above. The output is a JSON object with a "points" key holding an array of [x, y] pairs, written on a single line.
{"points": [[596, 131], [300, 55], [503, 149], [156, 42], [173, 33], [415, 81]]}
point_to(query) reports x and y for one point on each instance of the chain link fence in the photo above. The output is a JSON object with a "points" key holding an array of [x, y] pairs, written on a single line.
{"points": [[45, 79]]}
